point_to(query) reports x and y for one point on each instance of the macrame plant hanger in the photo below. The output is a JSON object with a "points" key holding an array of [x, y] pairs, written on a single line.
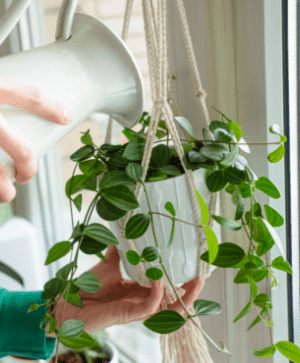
{"points": [[186, 344]]}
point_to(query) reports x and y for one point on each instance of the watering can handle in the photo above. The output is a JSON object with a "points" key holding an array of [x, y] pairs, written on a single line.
{"points": [[11, 17], [65, 19]]}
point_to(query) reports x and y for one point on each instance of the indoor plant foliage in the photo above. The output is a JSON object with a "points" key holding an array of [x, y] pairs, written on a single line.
{"points": [[119, 166]]}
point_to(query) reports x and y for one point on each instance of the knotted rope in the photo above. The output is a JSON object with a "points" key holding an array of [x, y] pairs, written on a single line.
{"points": [[186, 344]]}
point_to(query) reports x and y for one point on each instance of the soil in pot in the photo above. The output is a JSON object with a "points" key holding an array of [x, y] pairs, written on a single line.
{"points": [[70, 357]]}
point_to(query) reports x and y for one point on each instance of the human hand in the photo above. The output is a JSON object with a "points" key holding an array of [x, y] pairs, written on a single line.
{"points": [[31, 99], [120, 301]]}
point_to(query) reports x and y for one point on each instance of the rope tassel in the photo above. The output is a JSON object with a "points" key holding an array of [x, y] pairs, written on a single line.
{"points": [[187, 344]]}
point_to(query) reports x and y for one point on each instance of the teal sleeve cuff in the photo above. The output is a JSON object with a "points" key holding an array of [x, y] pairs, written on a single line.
{"points": [[20, 332]]}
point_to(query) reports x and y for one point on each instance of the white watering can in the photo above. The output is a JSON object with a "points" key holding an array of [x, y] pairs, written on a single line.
{"points": [[88, 69]]}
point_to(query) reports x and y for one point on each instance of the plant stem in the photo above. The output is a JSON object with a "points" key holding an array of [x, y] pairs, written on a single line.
{"points": [[267, 293], [87, 219], [189, 316], [70, 197], [179, 220]]}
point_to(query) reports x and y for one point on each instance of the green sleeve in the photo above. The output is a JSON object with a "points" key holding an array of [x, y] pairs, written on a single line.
{"points": [[20, 332]]}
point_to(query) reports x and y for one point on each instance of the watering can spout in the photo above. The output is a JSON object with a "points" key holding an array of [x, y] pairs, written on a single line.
{"points": [[93, 71]]}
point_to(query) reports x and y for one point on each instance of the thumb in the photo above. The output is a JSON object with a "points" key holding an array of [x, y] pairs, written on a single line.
{"points": [[192, 291]]}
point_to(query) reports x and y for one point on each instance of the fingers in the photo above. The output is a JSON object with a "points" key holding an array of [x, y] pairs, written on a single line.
{"points": [[31, 99], [192, 292], [7, 190], [20, 150], [150, 305]]}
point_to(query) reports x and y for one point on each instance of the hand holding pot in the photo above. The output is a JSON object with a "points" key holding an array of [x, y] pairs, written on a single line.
{"points": [[30, 99], [120, 301]]}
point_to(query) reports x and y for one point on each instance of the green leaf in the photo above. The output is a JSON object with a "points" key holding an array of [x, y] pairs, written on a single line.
{"points": [[243, 276], [184, 123], [73, 299], [240, 163], [78, 342], [289, 350], [114, 178], [234, 175], [245, 311], [170, 170], [230, 188], [253, 287], [263, 313], [92, 167], [229, 255], [157, 176], [220, 131], [80, 182], [90, 246], [100, 233], [137, 226], [63, 272], [150, 254], [53, 287], [154, 273], [134, 171], [160, 155], [86, 138], [216, 181], [215, 152], [170, 208], [262, 300], [88, 282], [70, 328], [165, 322], [227, 223], [83, 153], [108, 211], [78, 202], [273, 217], [160, 134], [212, 243], [121, 197], [230, 158], [222, 114], [257, 210], [33, 307], [203, 207], [132, 135], [195, 157], [206, 135], [132, 257], [58, 251], [172, 232], [282, 265], [206, 307], [235, 127], [134, 150], [254, 259], [276, 155], [267, 187], [266, 352], [239, 209], [52, 323], [275, 129]]}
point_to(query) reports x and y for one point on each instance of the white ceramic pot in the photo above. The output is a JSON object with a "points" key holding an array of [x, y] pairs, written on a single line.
{"points": [[181, 258]]}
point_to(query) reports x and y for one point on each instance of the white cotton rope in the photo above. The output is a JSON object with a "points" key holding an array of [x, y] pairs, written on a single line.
{"points": [[186, 344]]}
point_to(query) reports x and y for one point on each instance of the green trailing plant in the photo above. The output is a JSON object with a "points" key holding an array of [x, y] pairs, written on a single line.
{"points": [[120, 168]]}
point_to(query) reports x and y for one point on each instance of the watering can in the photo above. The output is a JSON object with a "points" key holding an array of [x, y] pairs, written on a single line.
{"points": [[88, 68]]}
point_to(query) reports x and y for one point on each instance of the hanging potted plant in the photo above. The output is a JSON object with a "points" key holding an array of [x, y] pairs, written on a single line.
{"points": [[114, 198]]}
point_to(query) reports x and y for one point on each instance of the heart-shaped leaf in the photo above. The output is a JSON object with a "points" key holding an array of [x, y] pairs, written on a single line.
{"points": [[100, 233], [59, 250], [282, 265], [134, 150], [165, 322], [108, 211], [113, 178], [160, 155], [121, 197], [227, 223], [206, 307], [273, 217], [134, 171], [289, 350], [88, 282], [137, 226], [267, 187], [229, 255]]}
